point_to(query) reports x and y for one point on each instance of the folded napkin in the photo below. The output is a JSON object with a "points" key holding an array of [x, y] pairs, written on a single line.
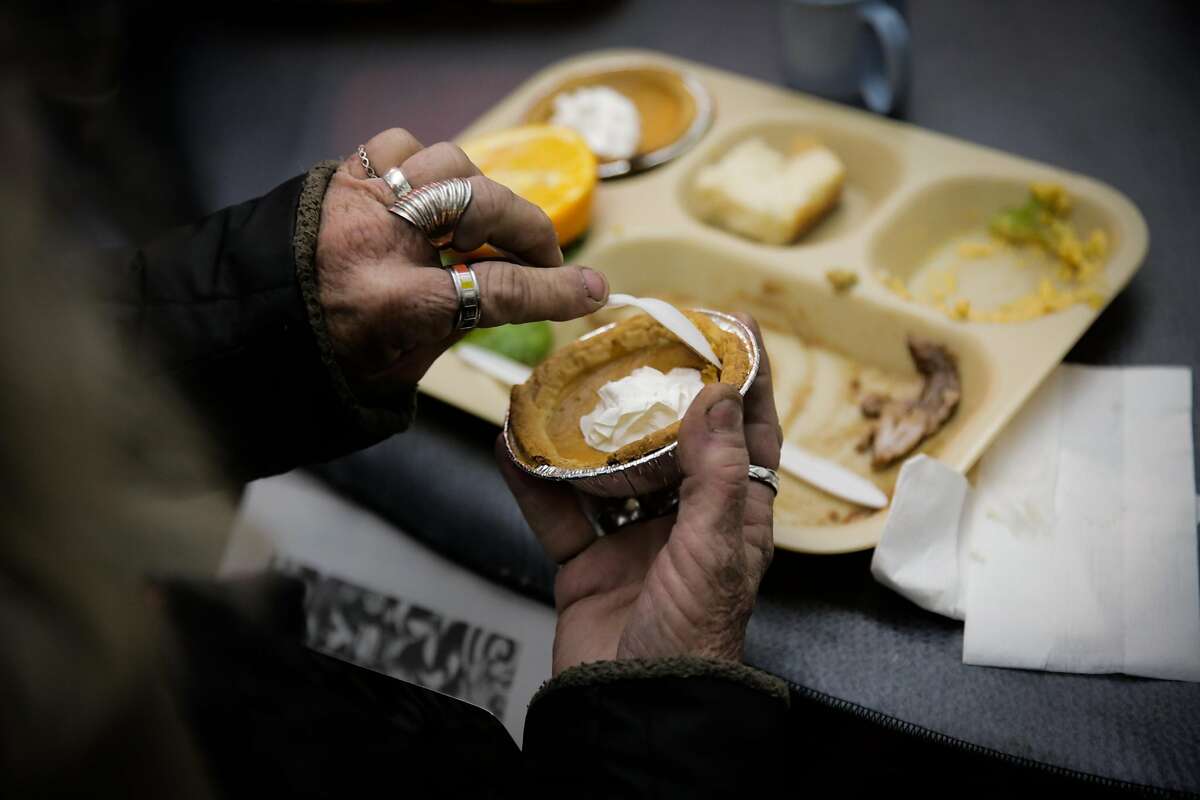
{"points": [[1076, 549]]}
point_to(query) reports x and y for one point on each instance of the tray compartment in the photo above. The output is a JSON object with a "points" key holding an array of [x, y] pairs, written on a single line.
{"points": [[937, 246]]}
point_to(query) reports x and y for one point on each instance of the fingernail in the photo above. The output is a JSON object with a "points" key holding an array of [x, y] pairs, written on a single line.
{"points": [[725, 416], [597, 287]]}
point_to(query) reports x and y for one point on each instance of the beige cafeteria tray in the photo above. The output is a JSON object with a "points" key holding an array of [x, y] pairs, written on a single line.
{"points": [[908, 193]]}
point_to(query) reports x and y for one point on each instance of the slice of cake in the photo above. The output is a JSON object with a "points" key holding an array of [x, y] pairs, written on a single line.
{"points": [[761, 193]]}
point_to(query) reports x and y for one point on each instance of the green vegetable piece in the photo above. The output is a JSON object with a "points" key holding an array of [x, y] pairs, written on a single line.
{"points": [[528, 343], [1020, 224]]}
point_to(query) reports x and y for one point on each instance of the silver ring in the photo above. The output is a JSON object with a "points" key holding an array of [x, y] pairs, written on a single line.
{"points": [[766, 476], [435, 208], [608, 514], [366, 161], [394, 178], [466, 286]]}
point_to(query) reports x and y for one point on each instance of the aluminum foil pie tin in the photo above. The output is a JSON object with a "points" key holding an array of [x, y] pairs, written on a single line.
{"points": [[685, 90], [654, 471]]}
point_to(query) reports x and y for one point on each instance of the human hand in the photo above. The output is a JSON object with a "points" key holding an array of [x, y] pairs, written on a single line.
{"points": [[389, 307], [683, 584]]}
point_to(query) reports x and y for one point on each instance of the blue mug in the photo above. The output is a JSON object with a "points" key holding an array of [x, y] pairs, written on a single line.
{"points": [[848, 50]]}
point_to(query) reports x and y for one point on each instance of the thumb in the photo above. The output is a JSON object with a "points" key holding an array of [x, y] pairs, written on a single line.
{"points": [[512, 293], [715, 464]]}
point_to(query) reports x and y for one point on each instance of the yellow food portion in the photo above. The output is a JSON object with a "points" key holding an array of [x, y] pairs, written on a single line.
{"points": [[1055, 266], [977, 249], [943, 284], [1044, 220], [1046, 300], [550, 166], [842, 280], [1053, 197], [896, 284]]}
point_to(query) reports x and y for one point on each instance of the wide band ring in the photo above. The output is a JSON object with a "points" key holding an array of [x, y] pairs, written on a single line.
{"points": [[435, 208], [765, 476], [466, 286], [394, 178]]}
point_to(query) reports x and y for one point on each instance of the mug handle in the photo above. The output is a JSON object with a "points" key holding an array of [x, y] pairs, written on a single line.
{"points": [[883, 90]]}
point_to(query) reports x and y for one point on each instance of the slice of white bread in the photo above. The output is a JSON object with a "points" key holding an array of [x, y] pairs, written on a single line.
{"points": [[766, 195]]}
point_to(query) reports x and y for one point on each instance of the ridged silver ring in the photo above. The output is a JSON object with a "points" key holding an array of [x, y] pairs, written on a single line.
{"points": [[435, 208]]}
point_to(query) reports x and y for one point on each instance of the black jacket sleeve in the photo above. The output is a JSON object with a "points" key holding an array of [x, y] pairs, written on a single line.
{"points": [[227, 310], [680, 727]]}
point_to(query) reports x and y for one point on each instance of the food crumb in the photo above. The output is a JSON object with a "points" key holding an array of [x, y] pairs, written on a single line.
{"points": [[961, 309], [977, 249], [872, 405], [842, 280], [1053, 196], [897, 286], [943, 284], [1096, 247]]}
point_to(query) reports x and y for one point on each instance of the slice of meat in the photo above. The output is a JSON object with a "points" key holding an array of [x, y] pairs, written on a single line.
{"points": [[904, 424]]}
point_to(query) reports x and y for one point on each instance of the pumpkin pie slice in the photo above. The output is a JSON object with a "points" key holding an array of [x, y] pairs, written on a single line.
{"points": [[544, 417]]}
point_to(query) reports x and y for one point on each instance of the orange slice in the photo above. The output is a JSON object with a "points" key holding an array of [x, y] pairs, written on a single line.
{"points": [[550, 166]]}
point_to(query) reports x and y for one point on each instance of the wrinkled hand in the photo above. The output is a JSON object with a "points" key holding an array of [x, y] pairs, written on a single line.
{"points": [[678, 585], [389, 308]]}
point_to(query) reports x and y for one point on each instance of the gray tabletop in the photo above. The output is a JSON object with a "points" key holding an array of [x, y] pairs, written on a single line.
{"points": [[1104, 88]]}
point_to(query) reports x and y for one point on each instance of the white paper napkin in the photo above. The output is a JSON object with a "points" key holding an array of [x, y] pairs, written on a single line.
{"points": [[1076, 550]]}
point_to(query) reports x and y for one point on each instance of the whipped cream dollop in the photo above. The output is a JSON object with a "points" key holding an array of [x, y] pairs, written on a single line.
{"points": [[637, 405], [607, 120]]}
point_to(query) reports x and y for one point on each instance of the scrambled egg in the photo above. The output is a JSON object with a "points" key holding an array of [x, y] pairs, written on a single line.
{"points": [[977, 249], [893, 282], [1043, 223], [943, 285], [1046, 300]]}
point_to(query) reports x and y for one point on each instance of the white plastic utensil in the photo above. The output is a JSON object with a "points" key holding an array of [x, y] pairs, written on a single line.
{"points": [[831, 477], [512, 372], [502, 368], [670, 318]]}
